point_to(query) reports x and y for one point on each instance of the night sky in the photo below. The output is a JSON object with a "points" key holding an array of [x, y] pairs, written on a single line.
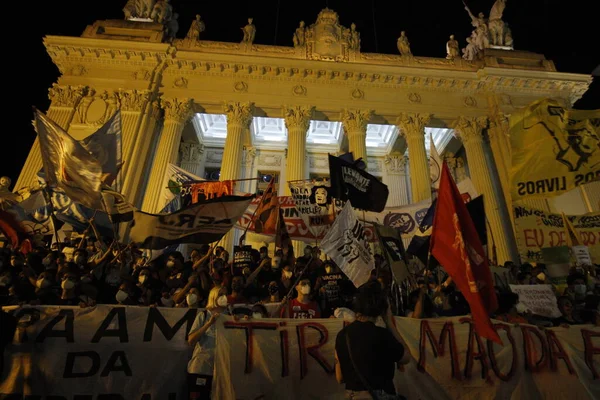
{"points": [[568, 36]]}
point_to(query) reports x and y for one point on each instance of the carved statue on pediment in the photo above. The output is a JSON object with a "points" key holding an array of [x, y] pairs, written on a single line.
{"points": [[493, 31], [471, 52], [162, 12], [172, 27], [327, 40], [452, 50], [249, 32], [354, 38], [403, 45], [138, 9], [300, 35], [196, 28]]}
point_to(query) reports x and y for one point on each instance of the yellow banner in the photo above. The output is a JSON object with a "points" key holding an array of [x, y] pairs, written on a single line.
{"points": [[553, 149]]}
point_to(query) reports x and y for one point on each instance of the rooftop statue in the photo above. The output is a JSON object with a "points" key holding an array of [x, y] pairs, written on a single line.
{"points": [[403, 45], [249, 32], [327, 40], [141, 9], [300, 35], [493, 32], [196, 28], [162, 12], [452, 50]]}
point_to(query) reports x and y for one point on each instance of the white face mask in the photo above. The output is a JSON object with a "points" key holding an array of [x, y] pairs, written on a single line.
{"points": [[170, 263], [305, 290], [142, 278], [167, 302], [191, 299], [67, 284], [257, 315], [287, 274], [222, 301], [121, 296], [580, 289], [42, 283]]}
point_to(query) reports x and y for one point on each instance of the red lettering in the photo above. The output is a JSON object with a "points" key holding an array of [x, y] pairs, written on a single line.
{"points": [[312, 350], [590, 350], [534, 237], [472, 356], [556, 351], [588, 238], [438, 346], [249, 327], [557, 238], [492, 354], [285, 353], [533, 363]]}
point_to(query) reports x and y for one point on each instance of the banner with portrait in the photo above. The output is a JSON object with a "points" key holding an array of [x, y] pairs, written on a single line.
{"points": [[537, 229], [553, 149], [314, 203]]}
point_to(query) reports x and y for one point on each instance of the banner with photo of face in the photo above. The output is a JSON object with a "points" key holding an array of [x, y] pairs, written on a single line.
{"points": [[314, 204]]}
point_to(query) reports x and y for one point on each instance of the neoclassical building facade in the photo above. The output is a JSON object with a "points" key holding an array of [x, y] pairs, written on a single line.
{"points": [[243, 110]]}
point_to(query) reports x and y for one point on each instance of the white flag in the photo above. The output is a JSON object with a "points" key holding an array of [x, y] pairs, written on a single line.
{"points": [[68, 164], [173, 187], [435, 164], [346, 243]]}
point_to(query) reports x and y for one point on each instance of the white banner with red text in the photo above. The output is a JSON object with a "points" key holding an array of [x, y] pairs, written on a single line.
{"points": [[116, 352]]}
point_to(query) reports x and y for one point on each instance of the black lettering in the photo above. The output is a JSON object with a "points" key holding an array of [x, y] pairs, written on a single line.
{"points": [[111, 364], [68, 333], [23, 323], [168, 331], [70, 365], [120, 332], [186, 220]]}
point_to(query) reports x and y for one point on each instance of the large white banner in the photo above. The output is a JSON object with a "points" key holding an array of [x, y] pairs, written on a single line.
{"points": [[141, 353]]}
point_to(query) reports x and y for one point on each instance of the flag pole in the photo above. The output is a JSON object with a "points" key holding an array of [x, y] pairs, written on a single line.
{"points": [[494, 255], [48, 198]]}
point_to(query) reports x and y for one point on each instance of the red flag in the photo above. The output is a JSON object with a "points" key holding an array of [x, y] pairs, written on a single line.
{"points": [[457, 247], [266, 213], [282, 237]]}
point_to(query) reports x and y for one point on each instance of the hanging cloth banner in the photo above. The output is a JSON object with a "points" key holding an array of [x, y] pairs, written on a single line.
{"points": [[314, 204], [210, 190], [553, 149]]}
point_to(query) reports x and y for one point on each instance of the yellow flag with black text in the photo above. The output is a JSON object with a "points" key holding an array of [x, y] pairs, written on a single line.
{"points": [[554, 149]]}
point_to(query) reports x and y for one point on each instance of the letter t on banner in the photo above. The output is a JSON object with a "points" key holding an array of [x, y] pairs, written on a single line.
{"points": [[456, 245]]}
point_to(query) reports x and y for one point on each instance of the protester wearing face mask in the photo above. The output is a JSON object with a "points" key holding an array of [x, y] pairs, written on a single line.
{"points": [[202, 337], [194, 298], [80, 259], [302, 307], [178, 275], [570, 316], [46, 290], [287, 278], [274, 292], [259, 312], [166, 300], [329, 286], [69, 286], [149, 290], [126, 294], [577, 288]]}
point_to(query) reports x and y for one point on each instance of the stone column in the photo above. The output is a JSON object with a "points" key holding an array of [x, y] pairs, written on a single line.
{"points": [[190, 157], [297, 121], [412, 127], [64, 102], [470, 130], [177, 112], [395, 178], [355, 125], [239, 116]]}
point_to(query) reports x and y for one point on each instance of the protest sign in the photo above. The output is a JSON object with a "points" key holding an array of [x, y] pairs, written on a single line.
{"points": [[538, 299]]}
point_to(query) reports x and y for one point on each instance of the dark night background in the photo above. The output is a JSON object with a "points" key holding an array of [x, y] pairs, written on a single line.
{"points": [[564, 31]]}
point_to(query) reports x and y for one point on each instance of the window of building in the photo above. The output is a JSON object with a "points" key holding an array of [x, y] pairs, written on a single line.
{"points": [[264, 178], [212, 174]]}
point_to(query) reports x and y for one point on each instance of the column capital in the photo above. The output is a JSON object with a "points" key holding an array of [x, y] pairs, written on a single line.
{"points": [[190, 152], [499, 125], [133, 100], [469, 129], [239, 113], [66, 96], [412, 124], [177, 110], [356, 120], [248, 156], [395, 163], [298, 116]]}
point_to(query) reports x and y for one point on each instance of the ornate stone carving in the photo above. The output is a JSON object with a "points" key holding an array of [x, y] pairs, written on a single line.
{"points": [[374, 165], [96, 108], [452, 48], [248, 156], [76, 70], [299, 90], [326, 39], [139, 9], [180, 83], [357, 94], [196, 28], [249, 32], [318, 161], [297, 116], [142, 75], [469, 129], [214, 156], [240, 87], [269, 159], [299, 38], [395, 163], [356, 120], [403, 45], [133, 100], [412, 124], [239, 113], [461, 170], [414, 98], [493, 32], [470, 101], [190, 152], [499, 125], [177, 109], [66, 96]]}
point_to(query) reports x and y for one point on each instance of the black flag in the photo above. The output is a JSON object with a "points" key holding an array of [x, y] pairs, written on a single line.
{"points": [[364, 191]]}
